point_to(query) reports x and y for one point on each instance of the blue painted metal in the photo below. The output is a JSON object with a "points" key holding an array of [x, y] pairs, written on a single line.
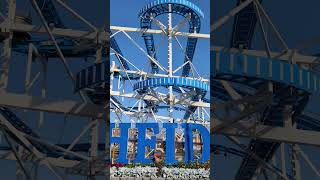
{"points": [[92, 75], [201, 88], [292, 86], [243, 30], [178, 2], [242, 34], [49, 12], [244, 27], [22, 127], [226, 65], [114, 45], [70, 47], [46, 48], [92, 79], [181, 7], [17, 122], [171, 81], [274, 116], [142, 142]]}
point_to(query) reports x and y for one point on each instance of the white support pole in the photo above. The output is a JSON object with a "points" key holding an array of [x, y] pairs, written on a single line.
{"points": [[44, 62], [170, 69]]}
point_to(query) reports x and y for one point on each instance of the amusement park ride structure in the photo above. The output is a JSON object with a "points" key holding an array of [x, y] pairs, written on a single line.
{"points": [[54, 40], [258, 95], [46, 43], [174, 90], [258, 98], [163, 88]]}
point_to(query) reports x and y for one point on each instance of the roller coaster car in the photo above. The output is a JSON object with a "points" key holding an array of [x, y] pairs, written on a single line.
{"points": [[19, 37]]}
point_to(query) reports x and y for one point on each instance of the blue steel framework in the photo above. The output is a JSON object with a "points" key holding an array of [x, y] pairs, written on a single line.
{"points": [[154, 90], [22, 143], [192, 14], [289, 84], [301, 82]]}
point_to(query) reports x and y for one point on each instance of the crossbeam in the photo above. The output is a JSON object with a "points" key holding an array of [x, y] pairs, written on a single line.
{"points": [[5, 29], [50, 105], [286, 56], [58, 162], [152, 98], [269, 133], [155, 31], [143, 74]]}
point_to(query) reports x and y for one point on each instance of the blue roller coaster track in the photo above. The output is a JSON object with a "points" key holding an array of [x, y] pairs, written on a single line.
{"points": [[183, 8], [152, 10], [97, 73], [187, 10], [292, 85]]}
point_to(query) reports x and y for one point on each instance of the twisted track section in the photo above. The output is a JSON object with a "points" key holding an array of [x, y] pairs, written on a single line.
{"points": [[184, 8], [237, 67], [172, 81], [201, 87], [70, 48], [254, 71], [46, 149], [181, 7], [242, 34]]}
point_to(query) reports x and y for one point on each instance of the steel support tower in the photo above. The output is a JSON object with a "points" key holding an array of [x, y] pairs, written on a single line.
{"points": [[172, 90], [265, 93], [41, 45]]}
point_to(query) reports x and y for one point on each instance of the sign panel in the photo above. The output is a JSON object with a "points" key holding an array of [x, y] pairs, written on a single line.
{"points": [[147, 139]]}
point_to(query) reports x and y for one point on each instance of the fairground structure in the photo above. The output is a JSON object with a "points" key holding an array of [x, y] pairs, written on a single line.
{"points": [[259, 98], [173, 90], [45, 40], [40, 90]]}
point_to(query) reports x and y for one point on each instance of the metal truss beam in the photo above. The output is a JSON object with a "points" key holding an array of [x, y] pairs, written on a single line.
{"points": [[155, 31], [103, 36], [286, 56], [269, 133], [58, 162], [143, 74], [50, 105], [150, 98], [230, 14]]}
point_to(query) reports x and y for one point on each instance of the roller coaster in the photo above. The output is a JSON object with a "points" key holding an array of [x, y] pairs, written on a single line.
{"points": [[259, 99], [45, 43], [86, 154], [173, 90]]}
